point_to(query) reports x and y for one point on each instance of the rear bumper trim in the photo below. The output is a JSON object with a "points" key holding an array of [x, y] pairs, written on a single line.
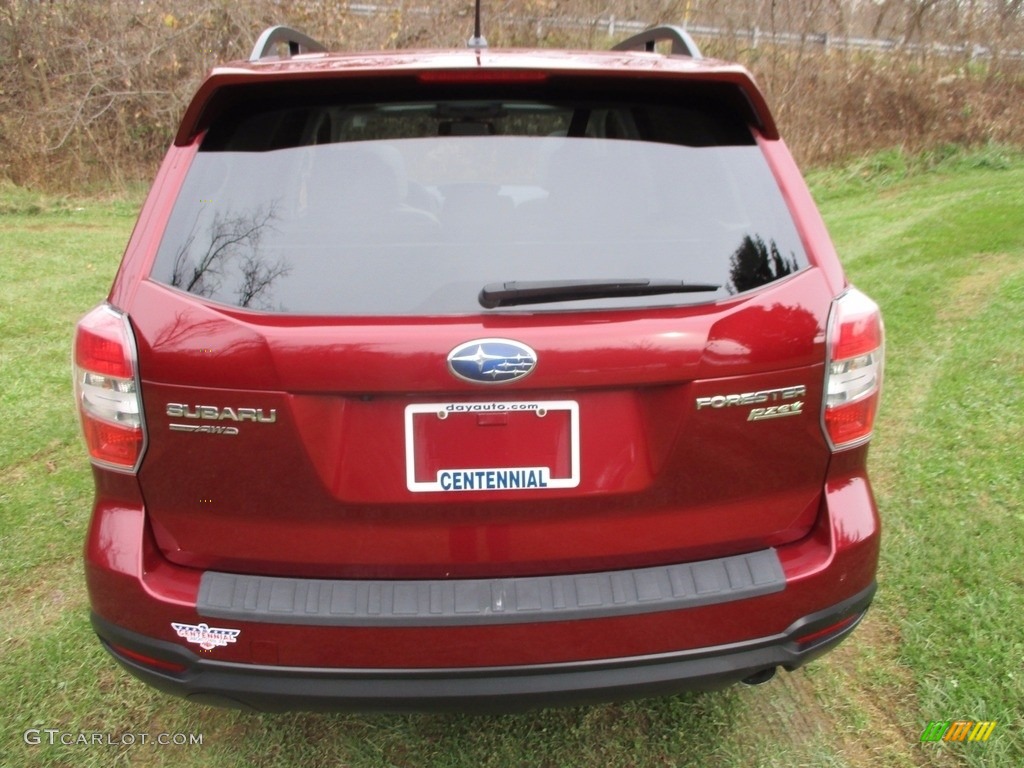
{"points": [[469, 602], [277, 688]]}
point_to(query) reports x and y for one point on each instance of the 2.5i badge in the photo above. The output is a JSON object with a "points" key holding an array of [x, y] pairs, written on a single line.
{"points": [[784, 399]]}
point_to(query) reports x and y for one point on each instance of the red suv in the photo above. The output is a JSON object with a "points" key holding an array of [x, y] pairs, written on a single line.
{"points": [[477, 377]]}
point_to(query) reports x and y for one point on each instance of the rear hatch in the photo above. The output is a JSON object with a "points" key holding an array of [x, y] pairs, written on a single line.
{"points": [[479, 332]]}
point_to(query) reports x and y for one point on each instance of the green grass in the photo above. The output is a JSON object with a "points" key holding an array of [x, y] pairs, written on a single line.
{"points": [[937, 240], [943, 253]]}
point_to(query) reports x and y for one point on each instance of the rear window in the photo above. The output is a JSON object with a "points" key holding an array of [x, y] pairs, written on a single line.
{"points": [[412, 207]]}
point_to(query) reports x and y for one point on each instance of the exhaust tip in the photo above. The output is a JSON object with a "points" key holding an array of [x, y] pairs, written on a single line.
{"points": [[760, 678]]}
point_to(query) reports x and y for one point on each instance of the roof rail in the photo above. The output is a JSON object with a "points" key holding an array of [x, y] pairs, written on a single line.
{"points": [[682, 43], [272, 37]]}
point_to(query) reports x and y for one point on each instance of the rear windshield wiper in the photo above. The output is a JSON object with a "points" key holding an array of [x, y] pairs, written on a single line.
{"points": [[541, 291]]}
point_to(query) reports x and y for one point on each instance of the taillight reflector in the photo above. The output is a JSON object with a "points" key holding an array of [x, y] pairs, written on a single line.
{"points": [[107, 389], [148, 661], [829, 631], [853, 381]]}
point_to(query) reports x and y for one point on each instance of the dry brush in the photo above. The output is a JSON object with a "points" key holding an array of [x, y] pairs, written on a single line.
{"points": [[91, 92]]}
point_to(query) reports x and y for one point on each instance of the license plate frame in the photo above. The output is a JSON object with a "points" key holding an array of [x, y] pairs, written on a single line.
{"points": [[493, 478]]}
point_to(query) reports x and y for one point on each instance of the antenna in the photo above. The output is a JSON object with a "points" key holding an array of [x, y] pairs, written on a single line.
{"points": [[477, 40]]}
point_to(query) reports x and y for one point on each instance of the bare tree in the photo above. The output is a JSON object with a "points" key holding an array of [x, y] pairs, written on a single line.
{"points": [[229, 238]]}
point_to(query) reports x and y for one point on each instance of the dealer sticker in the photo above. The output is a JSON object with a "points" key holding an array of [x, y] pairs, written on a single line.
{"points": [[205, 636]]}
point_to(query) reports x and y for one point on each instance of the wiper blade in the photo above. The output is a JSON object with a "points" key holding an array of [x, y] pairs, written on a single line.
{"points": [[520, 292]]}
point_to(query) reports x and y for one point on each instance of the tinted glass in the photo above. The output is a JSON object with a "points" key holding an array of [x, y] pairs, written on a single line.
{"points": [[413, 208]]}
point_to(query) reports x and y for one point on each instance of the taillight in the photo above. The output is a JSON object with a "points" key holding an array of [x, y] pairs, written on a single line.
{"points": [[107, 389], [483, 76], [853, 381]]}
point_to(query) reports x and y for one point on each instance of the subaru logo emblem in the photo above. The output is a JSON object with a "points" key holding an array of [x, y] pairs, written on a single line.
{"points": [[491, 361]]}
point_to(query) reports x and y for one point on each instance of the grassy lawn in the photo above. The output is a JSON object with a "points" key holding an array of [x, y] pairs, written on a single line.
{"points": [[938, 243]]}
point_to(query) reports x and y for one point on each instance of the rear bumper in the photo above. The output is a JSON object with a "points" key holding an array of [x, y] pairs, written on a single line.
{"points": [[392, 651], [276, 688]]}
